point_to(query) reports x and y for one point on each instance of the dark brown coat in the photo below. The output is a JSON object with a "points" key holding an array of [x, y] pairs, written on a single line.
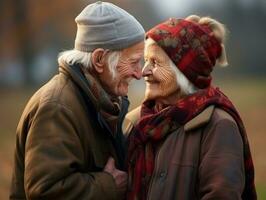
{"points": [[201, 160], [63, 144]]}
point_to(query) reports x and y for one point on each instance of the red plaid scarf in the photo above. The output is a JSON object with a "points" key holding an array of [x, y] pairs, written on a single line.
{"points": [[154, 127]]}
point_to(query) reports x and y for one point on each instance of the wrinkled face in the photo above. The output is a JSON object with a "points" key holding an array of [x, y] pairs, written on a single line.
{"points": [[128, 68], [158, 72]]}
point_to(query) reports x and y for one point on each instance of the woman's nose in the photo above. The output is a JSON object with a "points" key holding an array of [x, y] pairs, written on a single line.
{"points": [[147, 69]]}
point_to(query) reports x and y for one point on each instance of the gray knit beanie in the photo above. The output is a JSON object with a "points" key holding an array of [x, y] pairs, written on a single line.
{"points": [[105, 25]]}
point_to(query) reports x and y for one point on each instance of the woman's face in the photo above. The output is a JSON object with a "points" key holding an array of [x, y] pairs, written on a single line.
{"points": [[158, 72]]}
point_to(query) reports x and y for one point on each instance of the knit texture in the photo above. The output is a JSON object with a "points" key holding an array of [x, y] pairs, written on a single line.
{"points": [[105, 25], [190, 46]]}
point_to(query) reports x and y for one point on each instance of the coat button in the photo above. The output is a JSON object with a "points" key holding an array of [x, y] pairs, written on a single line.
{"points": [[162, 174]]}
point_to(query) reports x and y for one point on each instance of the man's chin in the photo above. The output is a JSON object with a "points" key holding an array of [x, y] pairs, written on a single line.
{"points": [[122, 91]]}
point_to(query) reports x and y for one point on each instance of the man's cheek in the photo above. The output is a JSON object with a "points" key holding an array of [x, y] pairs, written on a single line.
{"points": [[124, 69]]}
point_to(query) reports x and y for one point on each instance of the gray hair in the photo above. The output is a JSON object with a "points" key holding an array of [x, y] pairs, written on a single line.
{"points": [[74, 56], [181, 80]]}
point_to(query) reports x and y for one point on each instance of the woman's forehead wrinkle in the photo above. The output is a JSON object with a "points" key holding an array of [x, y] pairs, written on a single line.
{"points": [[150, 51], [154, 51]]}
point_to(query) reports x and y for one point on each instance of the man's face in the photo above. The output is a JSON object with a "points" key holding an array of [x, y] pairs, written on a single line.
{"points": [[128, 67], [158, 73]]}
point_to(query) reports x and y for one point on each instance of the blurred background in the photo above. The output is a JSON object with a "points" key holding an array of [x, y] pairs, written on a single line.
{"points": [[32, 33]]}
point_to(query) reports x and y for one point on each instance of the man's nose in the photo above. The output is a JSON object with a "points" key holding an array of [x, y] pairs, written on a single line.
{"points": [[147, 69], [137, 73]]}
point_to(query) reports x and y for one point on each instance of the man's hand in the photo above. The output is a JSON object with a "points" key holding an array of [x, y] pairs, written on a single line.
{"points": [[120, 177]]}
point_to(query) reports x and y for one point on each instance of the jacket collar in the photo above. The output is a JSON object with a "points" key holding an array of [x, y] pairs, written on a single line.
{"points": [[200, 120], [76, 74], [79, 78]]}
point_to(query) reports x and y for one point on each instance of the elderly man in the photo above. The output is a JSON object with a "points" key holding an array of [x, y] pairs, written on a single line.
{"points": [[186, 140], [69, 141]]}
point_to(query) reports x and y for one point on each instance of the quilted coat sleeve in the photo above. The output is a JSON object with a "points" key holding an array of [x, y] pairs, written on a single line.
{"points": [[221, 172], [53, 154]]}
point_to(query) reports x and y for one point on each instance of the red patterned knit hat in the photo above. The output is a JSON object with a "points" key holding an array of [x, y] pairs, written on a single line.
{"points": [[190, 46]]}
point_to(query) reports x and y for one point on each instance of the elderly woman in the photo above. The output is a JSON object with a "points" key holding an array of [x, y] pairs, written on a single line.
{"points": [[187, 140]]}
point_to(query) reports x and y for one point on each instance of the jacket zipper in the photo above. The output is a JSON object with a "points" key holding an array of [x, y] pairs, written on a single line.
{"points": [[155, 170]]}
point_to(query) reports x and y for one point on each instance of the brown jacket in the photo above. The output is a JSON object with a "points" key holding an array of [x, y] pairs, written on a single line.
{"points": [[201, 160], [63, 144]]}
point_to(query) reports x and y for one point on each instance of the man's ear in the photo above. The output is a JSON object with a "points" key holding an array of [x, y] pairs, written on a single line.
{"points": [[98, 59]]}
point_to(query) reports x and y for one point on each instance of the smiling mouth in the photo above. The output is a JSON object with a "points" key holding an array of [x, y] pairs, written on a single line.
{"points": [[151, 81]]}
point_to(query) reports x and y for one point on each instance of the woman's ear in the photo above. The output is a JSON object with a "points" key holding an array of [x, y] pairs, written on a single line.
{"points": [[99, 59]]}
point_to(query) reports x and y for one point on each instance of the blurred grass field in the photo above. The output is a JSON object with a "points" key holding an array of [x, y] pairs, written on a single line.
{"points": [[249, 96]]}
